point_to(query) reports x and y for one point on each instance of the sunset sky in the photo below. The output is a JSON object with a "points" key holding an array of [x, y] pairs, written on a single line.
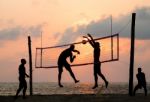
{"points": [[66, 21]]}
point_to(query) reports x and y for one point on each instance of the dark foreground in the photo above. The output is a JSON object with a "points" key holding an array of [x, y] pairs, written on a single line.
{"points": [[78, 98]]}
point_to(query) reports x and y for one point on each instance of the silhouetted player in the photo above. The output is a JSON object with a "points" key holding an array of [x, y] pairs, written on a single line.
{"points": [[97, 63], [141, 82], [62, 62], [22, 81]]}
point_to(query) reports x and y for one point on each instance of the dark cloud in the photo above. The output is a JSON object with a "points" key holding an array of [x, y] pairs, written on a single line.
{"points": [[142, 24], [102, 27], [10, 34], [35, 31], [15, 32]]}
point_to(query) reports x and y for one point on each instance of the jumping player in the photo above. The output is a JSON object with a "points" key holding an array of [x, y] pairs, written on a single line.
{"points": [[62, 62]]}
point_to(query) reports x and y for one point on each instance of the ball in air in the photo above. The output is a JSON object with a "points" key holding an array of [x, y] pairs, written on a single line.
{"points": [[84, 41]]}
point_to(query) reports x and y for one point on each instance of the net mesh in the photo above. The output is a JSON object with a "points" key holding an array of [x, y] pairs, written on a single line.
{"points": [[47, 57]]}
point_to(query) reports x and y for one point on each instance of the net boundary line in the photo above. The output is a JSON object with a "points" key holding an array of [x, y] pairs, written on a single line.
{"points": [[75, 65], [78, 42]]}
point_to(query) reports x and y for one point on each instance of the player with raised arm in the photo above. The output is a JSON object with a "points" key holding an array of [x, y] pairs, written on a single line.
{"points": [[97, 63]]}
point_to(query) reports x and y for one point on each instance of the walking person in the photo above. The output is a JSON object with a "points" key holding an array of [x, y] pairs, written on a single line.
{"points": [[22, 81]]}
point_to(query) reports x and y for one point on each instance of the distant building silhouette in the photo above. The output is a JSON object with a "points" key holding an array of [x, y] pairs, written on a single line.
{"points": [[22, 81], [141, 82], [62, 62]]}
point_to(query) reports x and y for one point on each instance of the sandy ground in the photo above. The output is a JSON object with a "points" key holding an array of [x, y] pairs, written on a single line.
{"points": [[79, 98]]}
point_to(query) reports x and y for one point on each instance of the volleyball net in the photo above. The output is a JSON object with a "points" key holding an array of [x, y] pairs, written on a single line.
{"points": [[47, 57]]}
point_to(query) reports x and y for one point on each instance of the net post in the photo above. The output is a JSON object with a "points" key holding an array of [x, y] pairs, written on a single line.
{"points": [[111, 41], [41, 49], [41, 57], [112, 53], [30, 64], [36, 58], [131, 71], [118, 46]]}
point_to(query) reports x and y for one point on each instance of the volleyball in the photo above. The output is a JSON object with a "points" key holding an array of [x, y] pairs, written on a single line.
{"points": [[84, 41]]}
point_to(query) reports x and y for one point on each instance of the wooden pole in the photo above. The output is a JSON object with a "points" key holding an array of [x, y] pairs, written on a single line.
{"points": [[131, 71], [30, 64]]}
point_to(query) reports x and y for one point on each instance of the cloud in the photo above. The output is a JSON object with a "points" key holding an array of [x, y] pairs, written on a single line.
{"points": [[142, 24], [10, 34], [35, 31], [102, 27], [15, 32]]}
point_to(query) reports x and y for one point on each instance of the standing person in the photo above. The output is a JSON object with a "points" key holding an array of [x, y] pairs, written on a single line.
{"points": [[22, 81], [141, 81], [62, 62], [97, 63]]}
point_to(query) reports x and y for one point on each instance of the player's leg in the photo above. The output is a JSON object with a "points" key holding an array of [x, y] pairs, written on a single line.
{"points": [[135, 89], [67, 66], [101, 75], [95, 75], [20, 87], [95, 79], [25, 88], [145, 90], [60, 70]]}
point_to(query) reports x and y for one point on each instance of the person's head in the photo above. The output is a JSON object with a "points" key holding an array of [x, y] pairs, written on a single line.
{"points": [[72, 47], [97, 44], [23, 61], [139, 70]]}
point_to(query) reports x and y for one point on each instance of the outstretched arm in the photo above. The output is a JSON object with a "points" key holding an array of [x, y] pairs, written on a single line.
{"points": [[78, 52], [91, 40], [72, 58], [26, 73]]}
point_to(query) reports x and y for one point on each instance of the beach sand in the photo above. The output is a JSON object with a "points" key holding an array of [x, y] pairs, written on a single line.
{"points": [[79, 98]]}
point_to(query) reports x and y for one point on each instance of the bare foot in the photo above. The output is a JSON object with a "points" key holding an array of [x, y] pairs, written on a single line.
{"points": [[61, 85], [95, 86], [106, 84], [76, 81]]}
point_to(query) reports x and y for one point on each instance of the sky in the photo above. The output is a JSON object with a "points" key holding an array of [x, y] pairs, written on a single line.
{"points": [[65, 21]]}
